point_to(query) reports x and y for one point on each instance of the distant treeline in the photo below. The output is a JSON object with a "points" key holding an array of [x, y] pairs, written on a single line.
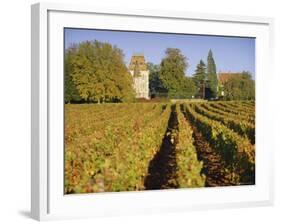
{"points": [[96, 72]]}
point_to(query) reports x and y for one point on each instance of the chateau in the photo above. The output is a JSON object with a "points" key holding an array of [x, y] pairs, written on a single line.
{"points": [[140, 74]]}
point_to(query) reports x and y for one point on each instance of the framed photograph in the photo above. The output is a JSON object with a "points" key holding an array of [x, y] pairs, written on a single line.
{"points": [[148, 111]]}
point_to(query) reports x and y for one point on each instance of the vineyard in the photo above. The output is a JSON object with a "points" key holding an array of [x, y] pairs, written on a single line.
{"points": [[145, 146]]}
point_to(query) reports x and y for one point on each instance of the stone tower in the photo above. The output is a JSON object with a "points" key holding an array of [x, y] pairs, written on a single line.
{"points": [[140, 73]]}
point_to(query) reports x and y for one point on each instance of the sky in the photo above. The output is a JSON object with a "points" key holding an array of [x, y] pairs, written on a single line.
{"points": [[231, 54]]}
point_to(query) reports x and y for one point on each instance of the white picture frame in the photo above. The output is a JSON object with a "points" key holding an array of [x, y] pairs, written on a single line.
{"points": [[47, 198]]}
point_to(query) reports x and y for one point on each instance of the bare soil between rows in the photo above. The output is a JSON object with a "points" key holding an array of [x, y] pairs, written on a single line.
{"points": [[162, 168]]}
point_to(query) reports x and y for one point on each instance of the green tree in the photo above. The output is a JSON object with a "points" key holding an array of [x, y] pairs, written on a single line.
{"points": [[240, 87], [172, 71], [187, 88], [70, 91], [156, 87], [100, 74], [200, 75], [212, 74]]}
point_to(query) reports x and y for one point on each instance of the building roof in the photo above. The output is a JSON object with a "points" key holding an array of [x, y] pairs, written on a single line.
{"points": [[139, 61], [223, 77]]}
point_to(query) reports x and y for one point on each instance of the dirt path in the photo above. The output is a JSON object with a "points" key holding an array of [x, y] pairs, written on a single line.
{"points": [[213, 165], [162, 168]]}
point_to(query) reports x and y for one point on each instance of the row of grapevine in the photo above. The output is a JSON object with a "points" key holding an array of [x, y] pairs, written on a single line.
{"points": [[80, 123], [115, 158], [237, 152], [84, 158], [237, 124], [189, 168], [225, 108], [249, 103], [239, 107], [247, 118], [236, 108]]}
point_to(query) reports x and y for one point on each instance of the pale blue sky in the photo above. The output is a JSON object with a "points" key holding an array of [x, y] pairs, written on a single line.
{"points": [[233, 54]]}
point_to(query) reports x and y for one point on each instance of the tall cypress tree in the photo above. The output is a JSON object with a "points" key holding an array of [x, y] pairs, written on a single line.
{"points": [[212, 74]]}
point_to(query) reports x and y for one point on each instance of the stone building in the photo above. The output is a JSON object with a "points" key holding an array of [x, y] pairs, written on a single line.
{"points": [[140, 74]]}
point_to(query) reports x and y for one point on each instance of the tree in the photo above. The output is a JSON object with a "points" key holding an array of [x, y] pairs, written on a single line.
{"points": [[71, 93], [212, 74], [156, 87], [240, 87], [200, 75], [100, 74], [187, 88], [172, 71]]}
